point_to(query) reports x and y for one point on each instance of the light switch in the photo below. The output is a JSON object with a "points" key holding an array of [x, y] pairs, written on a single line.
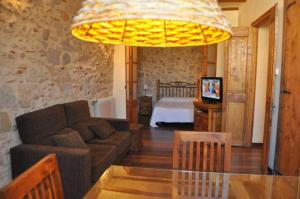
{"points": [[276, 71]]}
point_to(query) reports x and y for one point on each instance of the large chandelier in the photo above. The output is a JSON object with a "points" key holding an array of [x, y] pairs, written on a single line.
{"points": [[155, 23]]}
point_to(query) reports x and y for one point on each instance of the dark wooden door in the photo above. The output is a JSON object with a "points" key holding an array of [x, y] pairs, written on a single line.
{"points": [[288, 160]]}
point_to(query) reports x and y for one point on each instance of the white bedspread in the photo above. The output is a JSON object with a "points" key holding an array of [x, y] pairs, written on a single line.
{"points": [[173, 110]]}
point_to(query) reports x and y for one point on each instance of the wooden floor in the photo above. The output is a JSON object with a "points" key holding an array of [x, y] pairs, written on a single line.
{"points": [[157, 151]]}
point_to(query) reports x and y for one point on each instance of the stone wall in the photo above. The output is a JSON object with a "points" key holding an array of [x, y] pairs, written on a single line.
{"points": [[41, 64], [167, 64]]}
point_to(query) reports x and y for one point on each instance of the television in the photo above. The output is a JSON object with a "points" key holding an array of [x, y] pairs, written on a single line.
{"points": [[211, 89]]}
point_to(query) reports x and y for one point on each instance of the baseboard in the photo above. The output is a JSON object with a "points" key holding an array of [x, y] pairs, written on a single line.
{"points": [[257, 144], [273, 172]]}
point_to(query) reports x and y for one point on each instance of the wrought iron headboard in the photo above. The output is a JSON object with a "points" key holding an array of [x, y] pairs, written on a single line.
{"points": [[176, 89]]}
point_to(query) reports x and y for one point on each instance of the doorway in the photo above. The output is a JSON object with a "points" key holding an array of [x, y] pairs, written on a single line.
{"points": [[261, 84], [264, 42]]}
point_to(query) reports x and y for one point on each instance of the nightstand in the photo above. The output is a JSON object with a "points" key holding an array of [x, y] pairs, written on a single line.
{"points": [[145, 109]]}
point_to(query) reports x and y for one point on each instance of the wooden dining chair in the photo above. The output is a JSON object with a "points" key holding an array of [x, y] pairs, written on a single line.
{"points": [[41, 181], [202, 151]]}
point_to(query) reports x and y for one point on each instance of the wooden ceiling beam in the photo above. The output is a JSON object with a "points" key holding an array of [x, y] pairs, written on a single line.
{"points": [[232, 1], [230, 9]]}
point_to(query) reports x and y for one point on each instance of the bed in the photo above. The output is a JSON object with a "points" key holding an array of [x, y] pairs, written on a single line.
{"points": [[174, 103]]}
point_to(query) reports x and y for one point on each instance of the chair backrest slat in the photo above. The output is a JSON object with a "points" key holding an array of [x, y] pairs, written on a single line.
{"points": [[184, 157], [42, 180], [49, 188], [191, 156], [42, 189], [219, 154], [29, 195], [53, 188], [212, 156], [213, 151], [36, 193], [198, 155], [205, 157]]}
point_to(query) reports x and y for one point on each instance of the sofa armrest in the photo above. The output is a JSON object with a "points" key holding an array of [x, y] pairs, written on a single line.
{"points": [[118, 124], [74, 165]]}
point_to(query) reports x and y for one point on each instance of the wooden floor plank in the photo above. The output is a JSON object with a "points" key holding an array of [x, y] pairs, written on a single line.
{"points": [[157, 151]]}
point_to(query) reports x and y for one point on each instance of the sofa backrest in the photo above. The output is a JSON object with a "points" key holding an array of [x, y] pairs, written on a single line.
{"points": [[77, 111], [36, 127]]}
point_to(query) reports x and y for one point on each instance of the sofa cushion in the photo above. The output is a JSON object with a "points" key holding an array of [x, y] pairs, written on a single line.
{"points": [[33, 127], [77, 111], [120, 139], [118, 124], [102, 129], [83, 129], [48, 140], [102, 157], [69, 140]]}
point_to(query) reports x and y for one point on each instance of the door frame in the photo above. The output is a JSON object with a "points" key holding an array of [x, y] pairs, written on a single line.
{"points": [[267, 19], [131, 103]]}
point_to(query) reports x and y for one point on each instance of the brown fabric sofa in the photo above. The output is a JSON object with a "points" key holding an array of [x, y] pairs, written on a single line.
{"points": [[79, 168]]}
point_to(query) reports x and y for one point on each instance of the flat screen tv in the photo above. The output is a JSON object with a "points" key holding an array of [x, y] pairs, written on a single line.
{"points": [[211, 89]]}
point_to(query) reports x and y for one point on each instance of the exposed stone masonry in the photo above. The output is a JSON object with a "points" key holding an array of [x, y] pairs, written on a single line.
{"points": [[167, 64], [41, 64]]}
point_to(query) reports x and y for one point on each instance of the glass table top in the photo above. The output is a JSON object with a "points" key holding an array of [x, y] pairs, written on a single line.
{"points": [[120, 182]]}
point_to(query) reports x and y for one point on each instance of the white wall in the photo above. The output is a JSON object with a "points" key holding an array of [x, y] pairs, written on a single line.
{"points": [[261, 84], [220, 60], [253, 9], [105, 107], [119, 91], [233, 17], [212, 58]]}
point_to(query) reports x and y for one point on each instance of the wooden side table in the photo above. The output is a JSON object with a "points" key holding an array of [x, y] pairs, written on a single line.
{"points": [[136, 137], [145, 109], [207, 117]]}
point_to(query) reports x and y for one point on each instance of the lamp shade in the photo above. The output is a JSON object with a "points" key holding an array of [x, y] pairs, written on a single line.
{"points": [[155, 23]]}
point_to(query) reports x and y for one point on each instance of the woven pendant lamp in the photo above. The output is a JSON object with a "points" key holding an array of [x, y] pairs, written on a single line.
{"points": [[153, 23]]}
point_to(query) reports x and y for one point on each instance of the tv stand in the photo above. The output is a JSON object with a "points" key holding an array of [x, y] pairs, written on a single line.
{"points": [[210, 102], [207, 117]]}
